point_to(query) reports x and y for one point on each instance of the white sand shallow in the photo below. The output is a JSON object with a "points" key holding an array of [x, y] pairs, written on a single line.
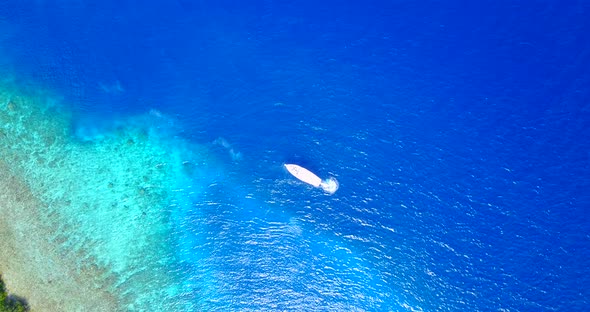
{"points": [[31, 265]]}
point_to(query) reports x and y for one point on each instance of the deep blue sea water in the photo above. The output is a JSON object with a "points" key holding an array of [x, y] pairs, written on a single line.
{"points": [[458, 132]]}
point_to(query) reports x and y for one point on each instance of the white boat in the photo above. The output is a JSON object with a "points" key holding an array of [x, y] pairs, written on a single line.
{"points": [[329, 185]]}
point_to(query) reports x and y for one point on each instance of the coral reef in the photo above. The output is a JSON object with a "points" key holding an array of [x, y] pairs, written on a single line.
{"points": [[99, 209]]}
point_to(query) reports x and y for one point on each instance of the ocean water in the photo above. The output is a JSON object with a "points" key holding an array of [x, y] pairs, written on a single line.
{"points": [[149, 140]]}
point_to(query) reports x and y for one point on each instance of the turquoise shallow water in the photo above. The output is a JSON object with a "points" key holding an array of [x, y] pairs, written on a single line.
{"points": [[114, 201]]}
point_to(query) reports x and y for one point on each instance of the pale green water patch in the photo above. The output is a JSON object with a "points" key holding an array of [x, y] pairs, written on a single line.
{"points": [[107, 201]]}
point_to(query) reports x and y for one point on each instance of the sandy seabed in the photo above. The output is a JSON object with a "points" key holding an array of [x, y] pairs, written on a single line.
{"points": [[31, 263], [32, 267]]}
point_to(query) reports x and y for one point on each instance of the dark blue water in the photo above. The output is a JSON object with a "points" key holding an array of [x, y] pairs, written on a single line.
{"points": [[458, 132]]}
